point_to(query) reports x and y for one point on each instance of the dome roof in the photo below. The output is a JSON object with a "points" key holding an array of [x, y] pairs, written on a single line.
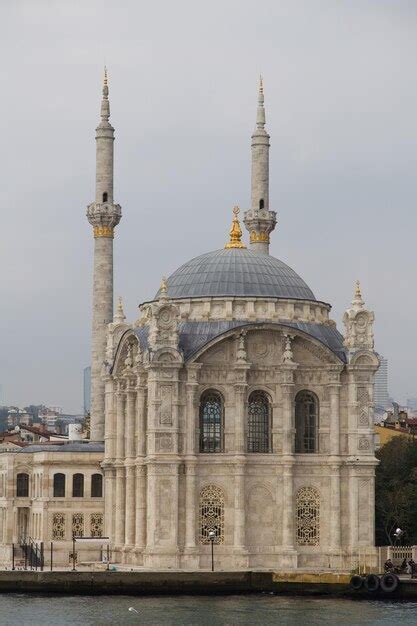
{"points": [[237, 272]]}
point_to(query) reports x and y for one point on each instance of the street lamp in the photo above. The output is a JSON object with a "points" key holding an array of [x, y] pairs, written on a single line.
{"points": [[212, 537], [397, 535]]}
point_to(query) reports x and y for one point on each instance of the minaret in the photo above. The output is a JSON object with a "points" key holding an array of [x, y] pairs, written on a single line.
{"points": [[259, 220], [103, 215]]}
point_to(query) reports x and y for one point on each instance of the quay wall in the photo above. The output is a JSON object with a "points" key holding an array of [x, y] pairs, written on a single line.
{"points": [[190, 583]]}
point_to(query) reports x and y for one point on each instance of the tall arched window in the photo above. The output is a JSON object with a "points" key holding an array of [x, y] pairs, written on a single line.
{"points": [[22, 485], [211, 514], [308, 516], [261, 203], [78, 486], [105, 196], [96, 486], [306, 422], [59, 485], [259, 418], [211, 422]]}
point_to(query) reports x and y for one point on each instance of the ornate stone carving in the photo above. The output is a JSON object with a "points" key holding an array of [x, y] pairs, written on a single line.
{"points": [[358, 324], [96, 524], [287, 356], [241, 348], [364, 444], [363, 406], [163, 442], [165, 408]]}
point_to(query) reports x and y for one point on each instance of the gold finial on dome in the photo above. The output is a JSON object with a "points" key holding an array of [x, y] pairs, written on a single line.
{"points": [[358, 290], [235, 232]]}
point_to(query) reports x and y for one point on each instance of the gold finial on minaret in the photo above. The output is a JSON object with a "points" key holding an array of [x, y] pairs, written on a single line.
{"points": [[105, 80], [235, 232], [358, 290], [261, 84]]}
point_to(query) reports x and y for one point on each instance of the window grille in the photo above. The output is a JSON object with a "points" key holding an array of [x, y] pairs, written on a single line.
{"points": [[96, 486], [306, 422], [258, 438], [211, 422], [308, 517], [77, 524], [211, 514], [59, 485], [78, 486], [58, 527], [96, 525], [22, 485]]}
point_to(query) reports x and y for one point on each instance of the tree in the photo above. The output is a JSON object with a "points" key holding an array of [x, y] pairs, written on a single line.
{"points": [[396, 490]]}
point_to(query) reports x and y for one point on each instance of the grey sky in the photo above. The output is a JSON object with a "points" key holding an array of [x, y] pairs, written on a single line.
{"points": [[341, 98]]}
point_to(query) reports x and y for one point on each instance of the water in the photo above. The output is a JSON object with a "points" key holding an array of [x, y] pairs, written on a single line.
{"points": [[36, 610]]}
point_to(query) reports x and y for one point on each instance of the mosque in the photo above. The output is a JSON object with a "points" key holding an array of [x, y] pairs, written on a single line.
{"points": [[233, 412]]}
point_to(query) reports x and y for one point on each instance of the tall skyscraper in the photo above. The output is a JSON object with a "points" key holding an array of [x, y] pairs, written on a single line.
{"points": [[87, 389], [381, 398]]}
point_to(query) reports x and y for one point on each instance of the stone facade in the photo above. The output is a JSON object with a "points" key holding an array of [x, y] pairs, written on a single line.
{"points": [[156, 466], [41, 500]]}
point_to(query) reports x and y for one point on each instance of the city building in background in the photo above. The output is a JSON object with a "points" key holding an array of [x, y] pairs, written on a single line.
{"points": [[87, 390], [412, 404], [381, 397]]}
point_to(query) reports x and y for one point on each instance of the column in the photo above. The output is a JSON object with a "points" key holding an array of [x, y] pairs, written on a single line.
{"points": [[239, 530], [288, 429], [120, 421], [120, 507], [335, 534], [130, 505], [130, 419], [353, 509], [334, 391], [288, 515], [141, 416], [240, 409], [110, 422], [140, 530], [191, 505], [109, 501], [335, 530], [191, 418]]}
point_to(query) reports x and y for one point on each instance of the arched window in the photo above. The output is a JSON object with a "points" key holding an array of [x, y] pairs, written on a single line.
{"points": [[306, 422], [259, 418], [211, 422], [78, 486], [261, 203], [308, 516], [22, 485], [59, 485], [105, 196], [211, 514], [96, 486]]}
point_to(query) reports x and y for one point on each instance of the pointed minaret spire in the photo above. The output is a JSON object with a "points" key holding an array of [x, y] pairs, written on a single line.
{"points": [[260, 116], [358, 301], [104, 216], [105, 105], [259, 220], [120, 316]]}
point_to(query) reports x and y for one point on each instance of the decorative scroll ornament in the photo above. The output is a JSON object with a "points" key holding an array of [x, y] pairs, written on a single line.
{"points": [[235, 232]]}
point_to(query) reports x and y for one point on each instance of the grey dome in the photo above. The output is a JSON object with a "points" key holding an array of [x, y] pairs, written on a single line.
{"points": [[237, 272]]}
